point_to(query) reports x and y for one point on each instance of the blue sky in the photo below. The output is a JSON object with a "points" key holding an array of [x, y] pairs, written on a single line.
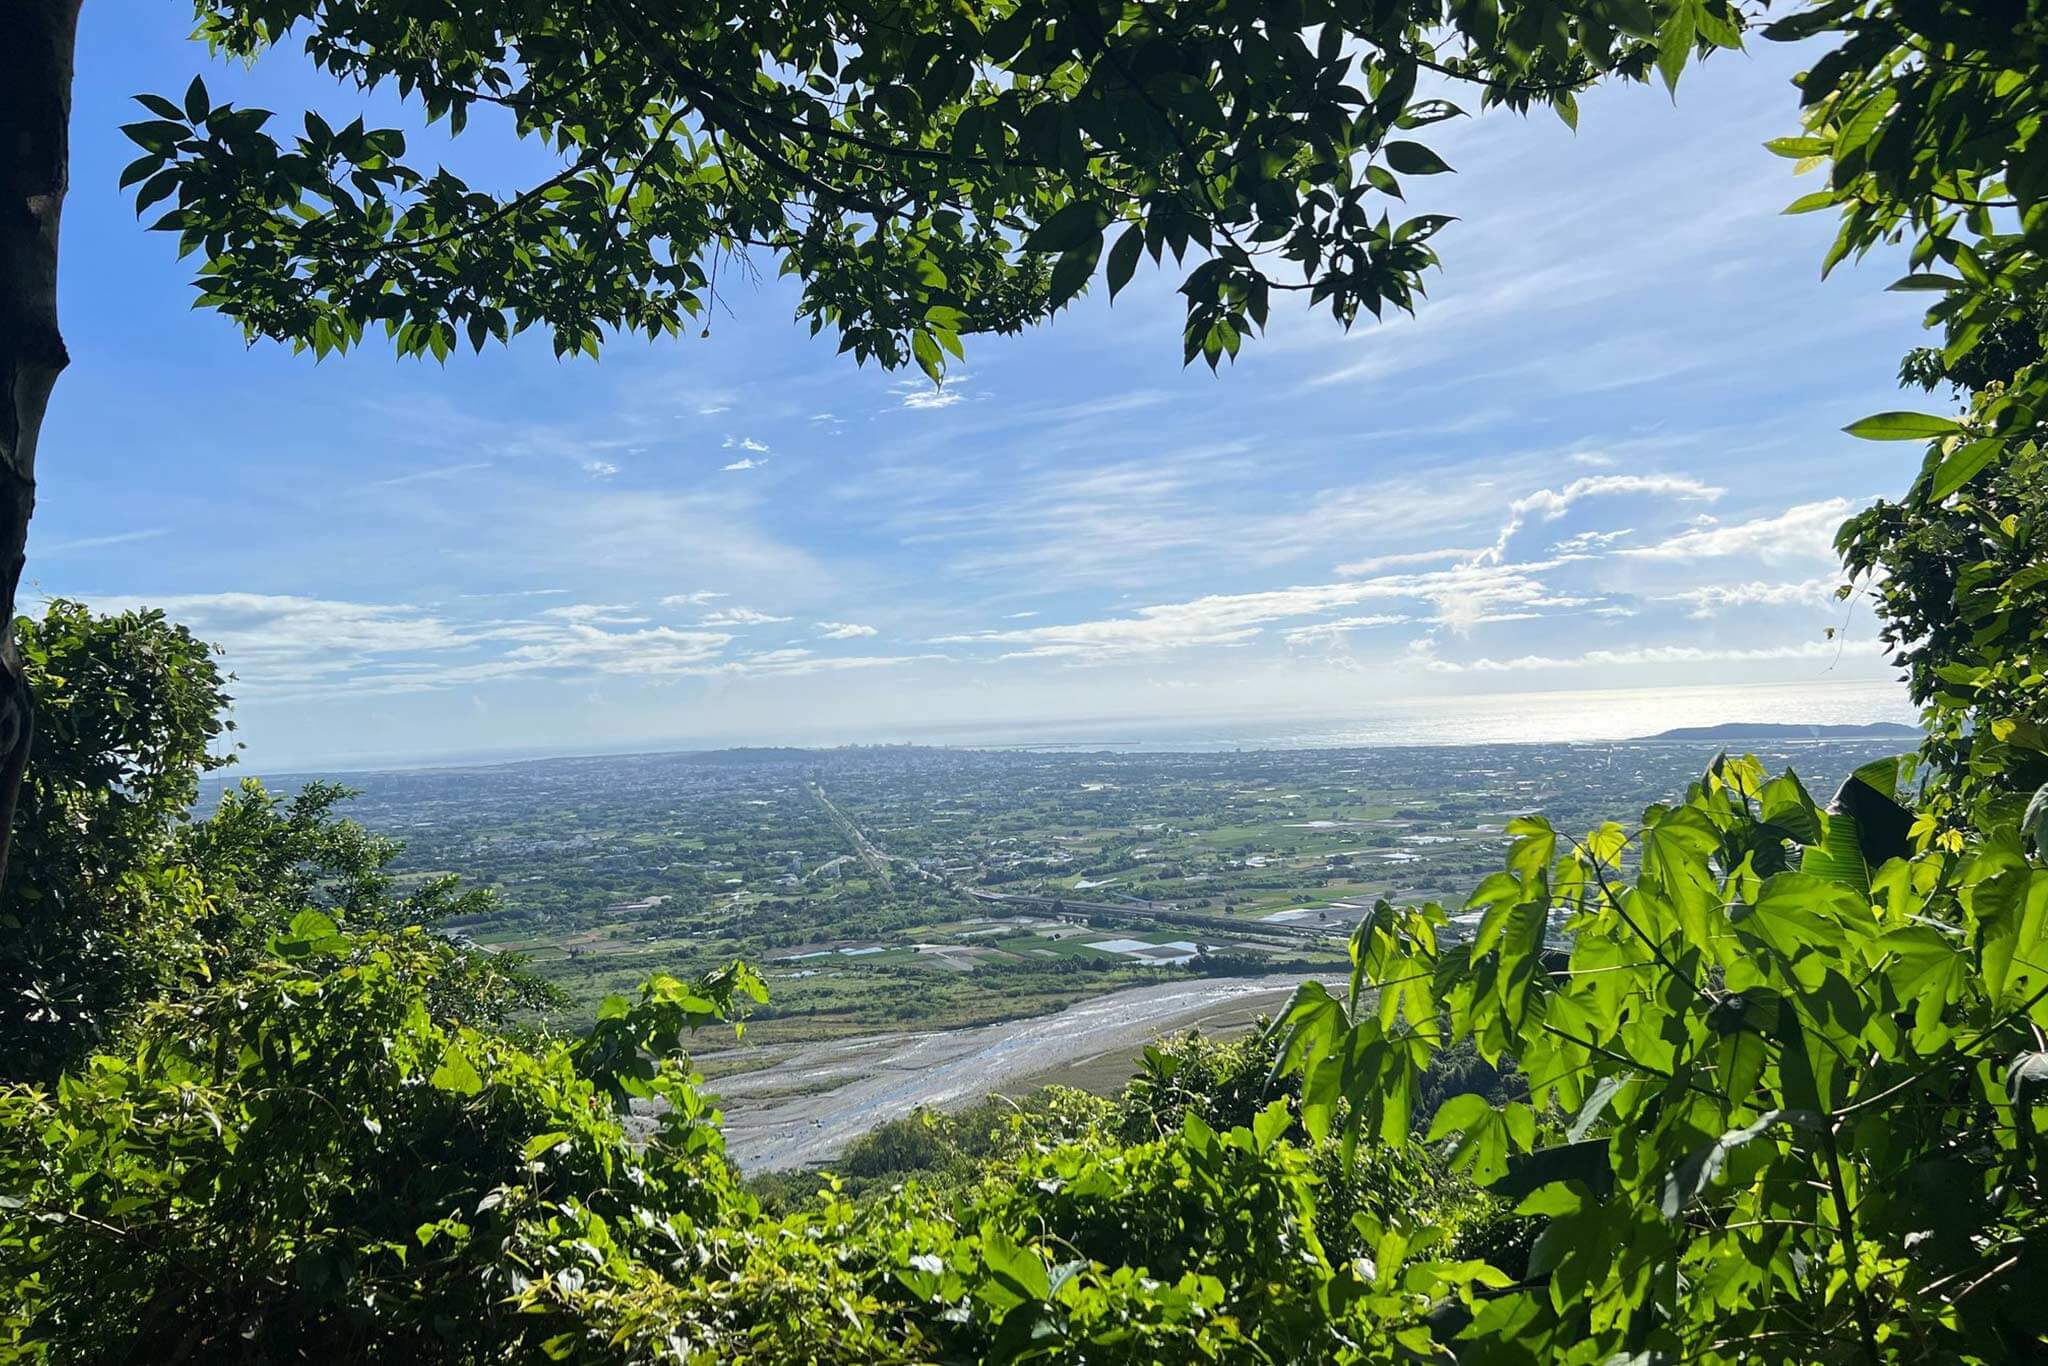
{"points": [[1606, 455]]}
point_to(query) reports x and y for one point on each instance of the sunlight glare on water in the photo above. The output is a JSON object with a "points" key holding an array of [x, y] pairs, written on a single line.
{"points": [[1536, 718]]}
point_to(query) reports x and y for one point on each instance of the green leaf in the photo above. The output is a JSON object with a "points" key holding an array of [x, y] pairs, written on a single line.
{"points": [[1902, 427], [926, 350], [456, 1073], [1961, 465], [1798, 149], [1584, 1161], [1019, 1269], [1123, 257], [1926, 281], [1814, 202], [1412, 158], [161, 107], [541, 1143], [311, 924], [1787, 807], [1073, 270], [1674, 42], [1074, 226]]}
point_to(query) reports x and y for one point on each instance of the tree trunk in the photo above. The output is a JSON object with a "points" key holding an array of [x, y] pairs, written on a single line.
{"points": [[37, 38]]}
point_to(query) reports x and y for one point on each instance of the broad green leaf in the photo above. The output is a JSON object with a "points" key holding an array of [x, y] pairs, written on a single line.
{"points": [[456, 1073], [1787, 806], [1961, 465], [1412, 158], [1897, 426], [1074, 226]]}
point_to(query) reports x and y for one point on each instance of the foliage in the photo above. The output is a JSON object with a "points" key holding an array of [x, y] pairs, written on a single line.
{"points": [[1929, 120], [929, 171], [91, 918], [309, 1162], [115, 895], [1765, 1105]]}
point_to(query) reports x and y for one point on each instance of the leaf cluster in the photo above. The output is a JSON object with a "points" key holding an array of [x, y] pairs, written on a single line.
{"points": [[927, 170]]}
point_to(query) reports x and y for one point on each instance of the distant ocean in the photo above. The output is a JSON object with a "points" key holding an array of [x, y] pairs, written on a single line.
{"points": [[1463, 719], [1525, 718]]}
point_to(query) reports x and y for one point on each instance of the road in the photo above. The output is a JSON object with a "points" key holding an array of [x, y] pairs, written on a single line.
{"points": [[876, 863], [817, 1098]]}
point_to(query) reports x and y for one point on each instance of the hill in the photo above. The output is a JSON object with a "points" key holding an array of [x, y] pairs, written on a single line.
{"points": [[1760, 730]]}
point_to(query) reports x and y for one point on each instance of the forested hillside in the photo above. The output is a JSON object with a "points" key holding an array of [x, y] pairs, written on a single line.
{"points": [[1781, 1098]]}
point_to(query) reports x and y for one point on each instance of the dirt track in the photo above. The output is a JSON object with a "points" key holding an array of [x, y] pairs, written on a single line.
{"points": [[814, 1099]]}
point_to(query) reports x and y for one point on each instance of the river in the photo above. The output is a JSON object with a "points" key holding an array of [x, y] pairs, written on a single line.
{"points": [[814, 1099]]}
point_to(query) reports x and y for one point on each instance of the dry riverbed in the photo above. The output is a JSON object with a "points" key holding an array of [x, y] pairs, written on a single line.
{"points": [[811, 1100]]}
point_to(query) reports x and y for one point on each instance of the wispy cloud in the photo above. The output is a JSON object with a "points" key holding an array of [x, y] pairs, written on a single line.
{"points": [[1715, 599], [97, 542], [740, 616], [1550, 504], [1803, 532], [843, 630], [1587, 542], [440, 472], [1630, 658], [746, 462], [596, 613], [1341, 627], [745, 443], [925, 396], [693, 599], [1373, 564], [1462, 597]]}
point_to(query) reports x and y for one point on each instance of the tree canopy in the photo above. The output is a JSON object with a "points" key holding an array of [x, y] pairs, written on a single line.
{"points": [[929, 171]]}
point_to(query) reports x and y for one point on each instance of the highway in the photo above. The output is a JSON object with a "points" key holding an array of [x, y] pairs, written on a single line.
{"points": [[877, 863]]}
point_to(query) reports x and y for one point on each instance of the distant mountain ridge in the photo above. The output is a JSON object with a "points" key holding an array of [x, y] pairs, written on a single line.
{"points": [[1769, 730]]}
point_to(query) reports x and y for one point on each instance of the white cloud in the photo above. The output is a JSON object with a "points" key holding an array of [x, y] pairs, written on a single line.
{"points": [[921, 394], [273, 639], [739, 616], [440, 472], [1588, 541], [96, 542], [1373, 564], [1334, 631], [656, 650], [746, 463], [1551, 504], [1019, 616], [843, 630], [613, 614], [695, 599], [1630, 658], [1806, 532], [600, 469], [744, 443], [1462, 597], [1715, 598]]}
